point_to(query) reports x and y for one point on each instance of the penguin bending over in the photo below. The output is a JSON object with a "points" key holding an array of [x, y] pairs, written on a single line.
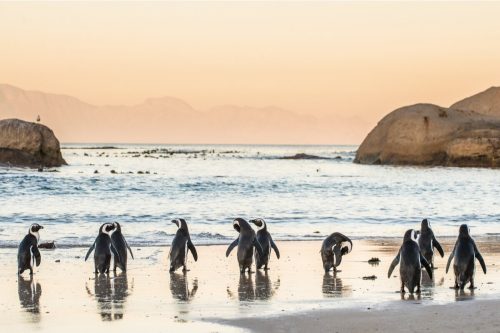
{"points": [[411, 262], [246, 242], [464, 265], [180, 245], [333, 248], [28, 254], [427, 242], [102, 246], [119, 248], [266, 242]]}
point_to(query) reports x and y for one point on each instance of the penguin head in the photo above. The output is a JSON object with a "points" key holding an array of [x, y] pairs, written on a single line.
{"points": [[106, 228], [180, 223], [117, 226], [35, 227], [259, 223], [411, 234], [425, 224], [241, 224], [464, 230]]}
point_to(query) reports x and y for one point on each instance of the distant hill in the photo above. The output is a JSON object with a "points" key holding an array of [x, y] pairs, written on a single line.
{"points": [[172, 120]]}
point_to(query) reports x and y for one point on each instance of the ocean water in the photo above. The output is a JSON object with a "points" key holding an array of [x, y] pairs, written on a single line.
{"points": [[144, 187]]}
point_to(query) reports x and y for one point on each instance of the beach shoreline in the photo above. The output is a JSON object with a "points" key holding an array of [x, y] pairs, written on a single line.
{"points": [[213, 296]]}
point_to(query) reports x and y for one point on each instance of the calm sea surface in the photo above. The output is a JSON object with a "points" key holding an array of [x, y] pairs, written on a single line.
{"points": [[145, 186]]}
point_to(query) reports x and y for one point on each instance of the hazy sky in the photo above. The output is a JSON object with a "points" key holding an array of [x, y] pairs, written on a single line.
{"points": [[362, 58]]}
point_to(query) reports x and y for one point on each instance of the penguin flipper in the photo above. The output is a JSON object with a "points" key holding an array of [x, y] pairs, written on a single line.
{"points": [[438, 246], [193, 250], [36, 255], [128, 247], [479, 257], [275, 248], [231, 246], [394, 263], [425, 263], [90, 251], [258, 247], [452, 254]]}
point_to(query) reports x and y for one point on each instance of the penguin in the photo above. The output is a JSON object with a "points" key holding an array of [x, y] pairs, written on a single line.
{"points": [[28, 254], [246, 242], [464, 252], [266, 241], [333, 248], [180, 245], [427, 242], [412, 260], [119, 248], [102, 246]]}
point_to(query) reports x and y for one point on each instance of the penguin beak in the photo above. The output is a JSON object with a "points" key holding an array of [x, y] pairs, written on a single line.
{"points": [[41, 227]]}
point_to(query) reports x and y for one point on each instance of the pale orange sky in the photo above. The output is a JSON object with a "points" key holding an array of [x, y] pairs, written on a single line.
{"points": [[350, 59]]}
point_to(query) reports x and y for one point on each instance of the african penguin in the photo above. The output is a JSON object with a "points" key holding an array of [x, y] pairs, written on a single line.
{"points": [[28, 254], [246, 243], [411, 262], [102, 246], [465, 252], [180, 245], [266, 241], [333, 248], [427, 242], [119, 248]]}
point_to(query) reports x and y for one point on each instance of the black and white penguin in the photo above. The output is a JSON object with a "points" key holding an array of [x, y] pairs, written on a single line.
{"points": [[180, 245], [246, 242], [266, 241], [333, 248], [411, 262], [465, 252], [427, 242], [121, 246], [28, 254], [102, 246]]}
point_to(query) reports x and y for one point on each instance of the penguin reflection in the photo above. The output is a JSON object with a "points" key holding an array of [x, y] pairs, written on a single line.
{"points": [[246, 289], [333, 287], [264, 289], [111, 295], [179, 287], [461, 295], [29, 296]]}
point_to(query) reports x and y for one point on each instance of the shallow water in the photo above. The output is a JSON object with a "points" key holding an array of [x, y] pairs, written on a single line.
{"points": [[210, 185]]}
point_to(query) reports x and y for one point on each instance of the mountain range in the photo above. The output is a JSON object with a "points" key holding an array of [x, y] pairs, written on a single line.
{"points": [[172, 120]]}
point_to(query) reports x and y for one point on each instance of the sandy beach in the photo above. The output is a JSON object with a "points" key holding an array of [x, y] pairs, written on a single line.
{"points": [[294, 295]]}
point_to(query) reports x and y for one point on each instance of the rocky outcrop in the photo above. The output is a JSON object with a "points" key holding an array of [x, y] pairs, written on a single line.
{"points": [[28, 144], [486, 102], [426, 134]]}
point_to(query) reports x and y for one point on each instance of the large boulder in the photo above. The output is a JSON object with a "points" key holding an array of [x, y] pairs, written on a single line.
{"points": [[28, 144], [426, 134], [486, 102]]}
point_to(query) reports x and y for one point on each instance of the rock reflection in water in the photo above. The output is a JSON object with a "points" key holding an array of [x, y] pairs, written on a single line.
{"points": [[333, 286], [111, 295], [179, 287], [29, 296]]}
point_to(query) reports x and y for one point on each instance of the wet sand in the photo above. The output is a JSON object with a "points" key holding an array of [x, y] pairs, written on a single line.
{"points": [[294, 295]]}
